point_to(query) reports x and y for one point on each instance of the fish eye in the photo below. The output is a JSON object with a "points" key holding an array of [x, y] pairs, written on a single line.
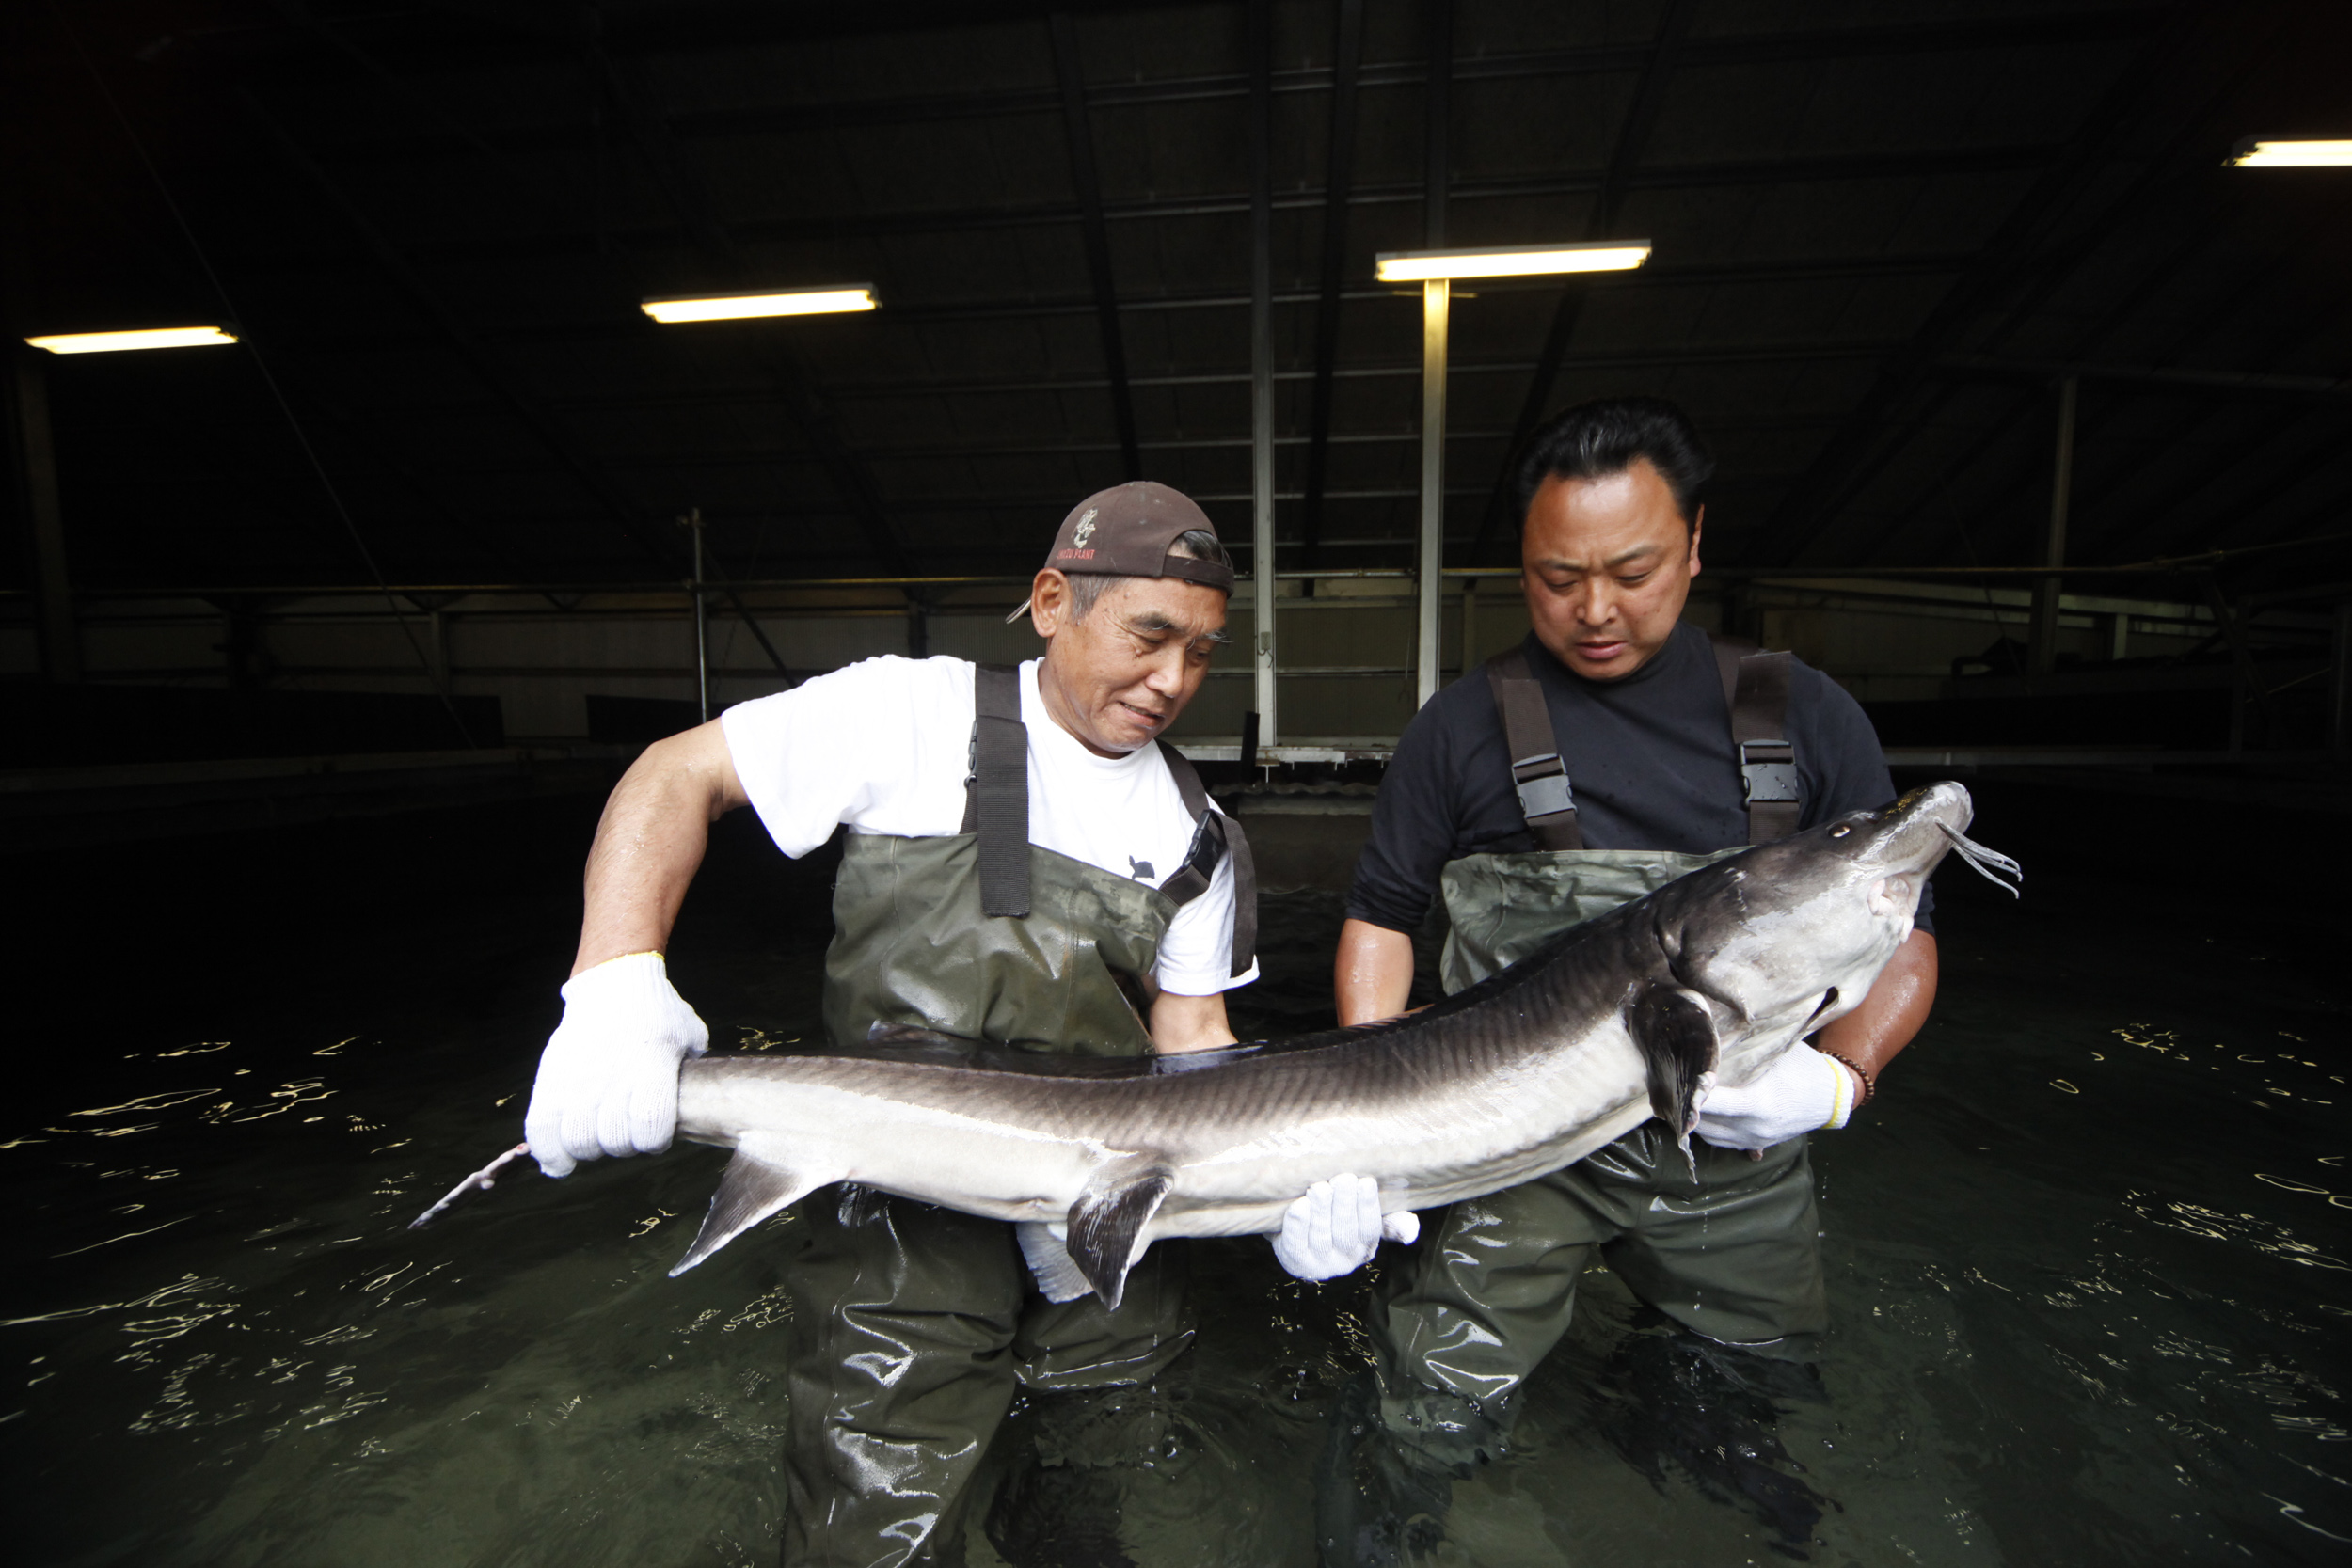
{"points": [[1842, 829]]}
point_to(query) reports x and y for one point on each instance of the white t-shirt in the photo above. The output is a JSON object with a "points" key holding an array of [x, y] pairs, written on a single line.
{"points": [[884, 747]]}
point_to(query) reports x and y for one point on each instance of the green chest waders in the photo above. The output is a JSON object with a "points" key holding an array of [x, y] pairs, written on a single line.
{"points": [[1733, 1255], [913, 1325]]}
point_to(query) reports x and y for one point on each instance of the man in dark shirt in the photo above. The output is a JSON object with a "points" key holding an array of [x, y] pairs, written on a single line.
{"points": [[1728, 1252], [1649, 755]]}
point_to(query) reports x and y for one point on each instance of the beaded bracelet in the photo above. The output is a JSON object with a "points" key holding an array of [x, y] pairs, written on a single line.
{"points": [[1870, 1084]]}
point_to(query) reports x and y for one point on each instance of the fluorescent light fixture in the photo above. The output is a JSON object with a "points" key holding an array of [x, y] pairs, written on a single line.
{"points": [[2291, 154], [826, 301], [1416, 266], [115, 343]]}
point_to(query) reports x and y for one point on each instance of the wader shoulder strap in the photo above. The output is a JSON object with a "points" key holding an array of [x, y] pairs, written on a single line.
{"points": [[1536, 771], [1216, 833], [996, 791], [1756, 690]]}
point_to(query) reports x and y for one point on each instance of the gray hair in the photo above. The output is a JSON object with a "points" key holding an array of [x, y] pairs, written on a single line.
{"points": [[1193, 544]]}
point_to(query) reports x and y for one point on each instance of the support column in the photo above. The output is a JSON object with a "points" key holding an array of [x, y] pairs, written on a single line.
{"points": [[2042, 640], [1261, 548], [1089, 193], [702, 620], [1347, 42], [2340, 683], [1438, 116], [1470, 625], [1436, 302], [44, 518]]}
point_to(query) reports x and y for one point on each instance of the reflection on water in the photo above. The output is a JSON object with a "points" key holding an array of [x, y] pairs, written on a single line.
{"points": [[2087, 1254]]}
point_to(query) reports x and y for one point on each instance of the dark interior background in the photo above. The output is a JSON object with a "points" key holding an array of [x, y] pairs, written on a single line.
{"points": [[1880, 229]]}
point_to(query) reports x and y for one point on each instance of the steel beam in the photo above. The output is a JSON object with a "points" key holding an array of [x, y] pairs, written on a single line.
{"points": [[2042, 643], [803, 226], [37, 501], [2340, 680], [619, 508], [1263, 561], [693, 520], [2249, 679], [605, 327], [2151, 377], [806, 407], [1616, 179], [616, 505], [1346, 47], [2151, 532], [1068, 75], [1437, 120], [1901, 582], [477, 52], [1435, 308], [1748, 354], [1855, 454], [1436, 326]]}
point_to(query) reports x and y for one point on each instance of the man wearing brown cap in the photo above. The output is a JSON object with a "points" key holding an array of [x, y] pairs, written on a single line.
{"points": [[1025, 867]]}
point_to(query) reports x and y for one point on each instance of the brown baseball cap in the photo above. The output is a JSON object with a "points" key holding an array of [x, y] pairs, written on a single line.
{"points": [[1129, 531]]}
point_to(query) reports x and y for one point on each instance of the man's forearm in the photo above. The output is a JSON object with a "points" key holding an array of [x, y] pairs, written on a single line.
{"points": [[1372, 976], [1875, 1033], [1180, 1024], [650, 842]]}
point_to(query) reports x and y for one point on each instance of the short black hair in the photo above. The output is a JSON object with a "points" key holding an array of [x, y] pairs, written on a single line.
{"points": [[1593, 440]]}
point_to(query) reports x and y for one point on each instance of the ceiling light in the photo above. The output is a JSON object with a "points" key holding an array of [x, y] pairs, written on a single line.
{"points": [[828, 300], [2291, 154], [114, 343], [1415, 266]]}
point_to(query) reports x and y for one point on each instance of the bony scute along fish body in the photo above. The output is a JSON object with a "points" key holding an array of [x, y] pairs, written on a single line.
{"points": [[1636, 1014]]}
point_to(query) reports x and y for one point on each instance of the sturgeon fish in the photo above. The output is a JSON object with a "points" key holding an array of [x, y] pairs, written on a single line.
{"points": [[1637, 1014]]}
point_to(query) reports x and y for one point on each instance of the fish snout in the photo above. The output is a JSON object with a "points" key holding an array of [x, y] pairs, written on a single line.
{"points": [[1943, 801], [1915, 834]]}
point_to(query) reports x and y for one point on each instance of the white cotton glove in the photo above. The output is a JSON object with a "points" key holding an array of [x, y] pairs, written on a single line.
{"points": [[1336, 1228], [607, 1080], [1803, 1092]]}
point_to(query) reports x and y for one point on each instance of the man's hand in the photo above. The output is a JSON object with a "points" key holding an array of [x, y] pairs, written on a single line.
{"points": [[1337, 1227], [1803, 1092], [607, 1080]]}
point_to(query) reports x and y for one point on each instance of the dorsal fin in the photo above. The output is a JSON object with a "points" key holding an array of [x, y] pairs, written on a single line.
{"points": [[1107, 1229]]}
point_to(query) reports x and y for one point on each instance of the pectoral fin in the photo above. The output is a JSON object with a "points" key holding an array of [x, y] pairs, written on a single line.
{"points": [[758, 1183], [1677, 1039], [1057, 1271], [1106, 1230]]}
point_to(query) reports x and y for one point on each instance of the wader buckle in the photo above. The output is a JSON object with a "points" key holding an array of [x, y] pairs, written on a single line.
{"points": [[1768, 772], [1543, 785]]}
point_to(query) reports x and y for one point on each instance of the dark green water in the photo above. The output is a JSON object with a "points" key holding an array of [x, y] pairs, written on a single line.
{"points": [[2088, 1252]]}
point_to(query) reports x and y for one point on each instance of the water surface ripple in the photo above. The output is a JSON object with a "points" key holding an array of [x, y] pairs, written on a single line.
{"points": [[2089, 1270]]}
